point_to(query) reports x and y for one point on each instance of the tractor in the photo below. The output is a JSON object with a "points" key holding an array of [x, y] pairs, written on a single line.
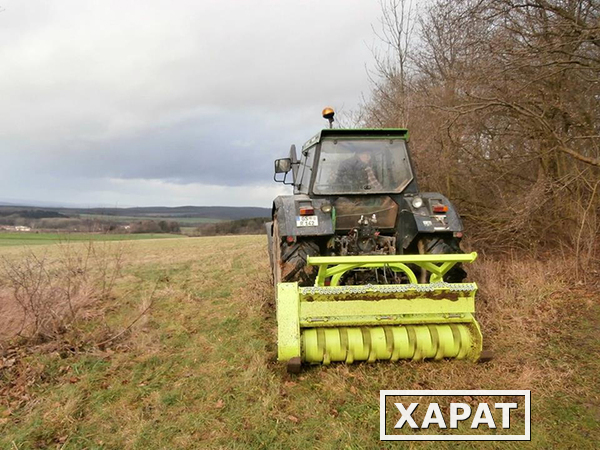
{"points": [[366, 266]]}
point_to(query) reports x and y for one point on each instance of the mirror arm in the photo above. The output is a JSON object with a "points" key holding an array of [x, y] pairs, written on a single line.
{"points": [[279, 181], [282, 180], [295, 167]]}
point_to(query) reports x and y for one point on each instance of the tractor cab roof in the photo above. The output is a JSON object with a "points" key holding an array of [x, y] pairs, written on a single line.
{"points": [[357, 133]]}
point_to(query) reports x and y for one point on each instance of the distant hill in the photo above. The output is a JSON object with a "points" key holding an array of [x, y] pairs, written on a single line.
{"points": [[173, 213], [29, 213]]}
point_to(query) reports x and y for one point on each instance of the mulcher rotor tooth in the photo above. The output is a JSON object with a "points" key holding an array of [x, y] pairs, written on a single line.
{"points": [[415, 342]]}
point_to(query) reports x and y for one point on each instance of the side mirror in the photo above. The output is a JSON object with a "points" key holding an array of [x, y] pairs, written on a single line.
{"points": [[283, 165]]}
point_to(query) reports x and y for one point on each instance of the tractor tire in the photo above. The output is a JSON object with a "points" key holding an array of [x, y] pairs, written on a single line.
{"points": [[445, 246], [289, 260]]}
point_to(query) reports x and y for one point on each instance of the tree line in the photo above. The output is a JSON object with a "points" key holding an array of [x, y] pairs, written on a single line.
{"points": [[502, 102]]}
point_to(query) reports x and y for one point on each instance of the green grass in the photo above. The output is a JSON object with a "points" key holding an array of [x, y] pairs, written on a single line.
{"points": [[31, 238], [199, 371]]}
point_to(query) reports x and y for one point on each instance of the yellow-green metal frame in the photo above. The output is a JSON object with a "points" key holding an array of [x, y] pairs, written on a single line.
{"points": [[335, 266], [373, 307]]}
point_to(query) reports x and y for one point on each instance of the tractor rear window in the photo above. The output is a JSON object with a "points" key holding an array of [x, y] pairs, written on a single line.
{"points": [[362, 166]]}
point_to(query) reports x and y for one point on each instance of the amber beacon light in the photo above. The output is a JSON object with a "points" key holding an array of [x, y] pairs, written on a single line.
{"points": [[328, 114]]}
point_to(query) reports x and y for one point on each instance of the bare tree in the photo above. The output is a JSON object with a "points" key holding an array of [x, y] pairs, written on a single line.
{"points": [[503, 103], [390, 77]]}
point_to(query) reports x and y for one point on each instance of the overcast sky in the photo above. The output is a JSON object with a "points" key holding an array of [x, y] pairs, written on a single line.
{"points": [[131, 103]]}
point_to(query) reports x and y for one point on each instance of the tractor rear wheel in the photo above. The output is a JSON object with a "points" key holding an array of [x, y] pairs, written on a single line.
{"points": [[445, 246], [289, 259]]}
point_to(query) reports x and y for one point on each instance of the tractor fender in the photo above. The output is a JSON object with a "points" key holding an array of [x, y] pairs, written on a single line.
{"points": [[413, 221], [287, 210]]}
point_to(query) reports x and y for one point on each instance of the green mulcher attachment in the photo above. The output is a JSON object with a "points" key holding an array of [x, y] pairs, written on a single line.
{"points": [[327, 323]]}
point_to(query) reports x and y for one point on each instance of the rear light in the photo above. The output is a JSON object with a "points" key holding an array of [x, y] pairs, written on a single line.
{"points": [[440, 209], [290, 239], [307, 210], [458, 234]]}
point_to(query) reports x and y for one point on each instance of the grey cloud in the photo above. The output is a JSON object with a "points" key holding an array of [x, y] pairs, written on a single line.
{"points": [[187, 92]]}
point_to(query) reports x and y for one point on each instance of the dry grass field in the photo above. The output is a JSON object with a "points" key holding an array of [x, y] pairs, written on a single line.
{"points": [[181, 354]]}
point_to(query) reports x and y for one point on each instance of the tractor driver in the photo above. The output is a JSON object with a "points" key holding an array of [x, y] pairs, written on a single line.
{"points": [[357, 171]]}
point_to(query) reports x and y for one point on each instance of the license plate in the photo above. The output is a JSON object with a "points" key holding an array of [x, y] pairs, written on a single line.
{"points": [[307, 221]]}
